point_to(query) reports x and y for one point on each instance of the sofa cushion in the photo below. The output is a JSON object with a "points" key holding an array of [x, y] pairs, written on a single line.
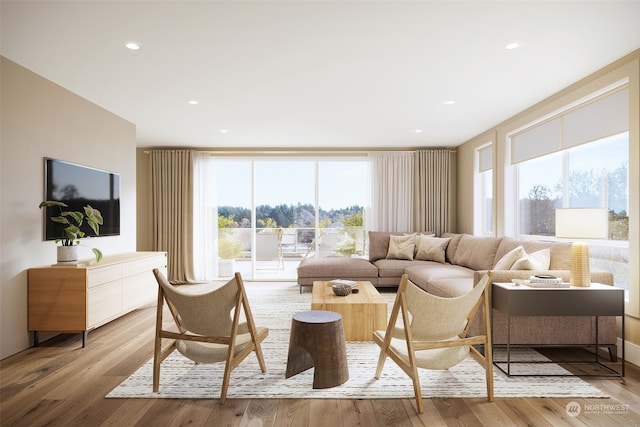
{"points": [[509, 258], [394, 267], [432, 248], [538, 260], [451, 288], [337, 268], [443, 280], [401, 247], [476, 252], [452, 246], [430, 270]]}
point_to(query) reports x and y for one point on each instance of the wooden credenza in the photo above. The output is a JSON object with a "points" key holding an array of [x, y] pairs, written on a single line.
{"points": [[77, 299]]}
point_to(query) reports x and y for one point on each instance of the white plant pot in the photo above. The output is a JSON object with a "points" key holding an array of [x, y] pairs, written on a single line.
{"points": [[67, 254], [226, 267]]}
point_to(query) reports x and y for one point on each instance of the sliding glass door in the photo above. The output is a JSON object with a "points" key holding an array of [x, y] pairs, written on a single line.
{"points": [[273, 213]]}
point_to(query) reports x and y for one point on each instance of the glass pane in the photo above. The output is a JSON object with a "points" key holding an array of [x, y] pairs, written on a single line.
{"points": [[343, 193], [598, 178], [285, 200], [233, 191], [487, 202], [539, 194]]}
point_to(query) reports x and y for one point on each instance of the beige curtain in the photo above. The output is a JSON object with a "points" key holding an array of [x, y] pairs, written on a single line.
{"points": [[435, 190], [392, 191], [172, 207]]}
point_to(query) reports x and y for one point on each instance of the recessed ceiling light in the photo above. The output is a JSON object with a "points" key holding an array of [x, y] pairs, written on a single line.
{"points": [[194, 102], [133, 46], [418, 130], [512, 45], [450, 102], [223, 131]]}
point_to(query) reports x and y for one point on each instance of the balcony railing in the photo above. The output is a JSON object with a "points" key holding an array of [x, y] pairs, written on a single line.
{"points": [[301, 242]]}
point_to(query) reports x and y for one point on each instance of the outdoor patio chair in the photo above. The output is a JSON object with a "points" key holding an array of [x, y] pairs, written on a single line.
{"points": [[269, 248], [209, 326], [434, 332]]}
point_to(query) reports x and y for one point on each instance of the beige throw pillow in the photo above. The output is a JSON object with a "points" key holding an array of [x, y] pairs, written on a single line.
{"points": [[420, 236], [401, 247], [432, 248], [539, 260], [510, 258]]}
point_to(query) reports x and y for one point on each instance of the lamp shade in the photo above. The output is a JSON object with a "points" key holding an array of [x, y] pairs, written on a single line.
{"points": [[582, 223]]}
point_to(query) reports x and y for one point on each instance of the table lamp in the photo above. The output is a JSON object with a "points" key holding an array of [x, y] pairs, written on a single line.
{"points": [[581, 223]]}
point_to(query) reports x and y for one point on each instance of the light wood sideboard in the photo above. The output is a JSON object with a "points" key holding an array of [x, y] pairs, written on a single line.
{"points": [[77, 299]]}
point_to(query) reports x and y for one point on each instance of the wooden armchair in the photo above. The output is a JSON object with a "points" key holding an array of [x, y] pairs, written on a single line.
{"points": [[434, 333], [209, 329]]}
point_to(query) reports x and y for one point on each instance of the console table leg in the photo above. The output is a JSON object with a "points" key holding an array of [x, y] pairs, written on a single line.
{"points": [[84, 338], [597, 342], [622, 343], [508, 345], [36, 338]]}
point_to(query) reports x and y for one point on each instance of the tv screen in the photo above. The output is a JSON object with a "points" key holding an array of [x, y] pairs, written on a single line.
{"points": [[78, 186]]}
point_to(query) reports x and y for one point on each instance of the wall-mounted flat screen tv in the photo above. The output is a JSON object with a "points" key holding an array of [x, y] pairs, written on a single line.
{"points": [[78, 186]]}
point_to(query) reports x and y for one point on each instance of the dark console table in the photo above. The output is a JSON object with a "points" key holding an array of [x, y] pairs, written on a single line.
{"points": [[596, 300]]}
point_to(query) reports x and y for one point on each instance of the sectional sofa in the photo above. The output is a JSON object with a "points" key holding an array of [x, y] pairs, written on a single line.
{"points": [[451, 264]]}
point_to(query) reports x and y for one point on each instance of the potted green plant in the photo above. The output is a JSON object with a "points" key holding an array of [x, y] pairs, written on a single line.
{"points": [[71, 234]]}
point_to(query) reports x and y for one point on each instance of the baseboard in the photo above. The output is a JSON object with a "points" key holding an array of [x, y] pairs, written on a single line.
{"points": [[631, 352]]}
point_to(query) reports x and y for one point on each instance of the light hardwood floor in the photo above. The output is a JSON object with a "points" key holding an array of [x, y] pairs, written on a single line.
{"points": [[61, 384]]}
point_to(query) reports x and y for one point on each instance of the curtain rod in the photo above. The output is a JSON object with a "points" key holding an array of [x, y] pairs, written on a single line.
{"points": [[302, 152]]}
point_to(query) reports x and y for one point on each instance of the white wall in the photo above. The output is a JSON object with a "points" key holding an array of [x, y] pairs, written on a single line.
{"points": [[40, 119]]}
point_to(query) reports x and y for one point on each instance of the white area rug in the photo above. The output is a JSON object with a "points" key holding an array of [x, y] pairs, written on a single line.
{"points": [[273, 305]]}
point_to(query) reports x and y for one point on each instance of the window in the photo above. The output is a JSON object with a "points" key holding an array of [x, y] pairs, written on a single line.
{"points": [[484, 192], [578, 160], [539, 194]]}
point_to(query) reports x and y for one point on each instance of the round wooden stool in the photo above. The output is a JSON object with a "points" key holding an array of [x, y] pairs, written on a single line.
{"points": [[317, 340]]}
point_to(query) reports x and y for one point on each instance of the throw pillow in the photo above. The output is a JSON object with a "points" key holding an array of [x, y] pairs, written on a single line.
{"points": [[420, 236], [401, 247], [432, 248], [509, 258], [539, 260]]}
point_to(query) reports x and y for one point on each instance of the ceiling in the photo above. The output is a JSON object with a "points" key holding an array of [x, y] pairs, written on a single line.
{"points": [[316, 74]]}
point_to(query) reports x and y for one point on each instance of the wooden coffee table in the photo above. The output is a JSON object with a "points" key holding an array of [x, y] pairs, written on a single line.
{"points": [[362, 313]]}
